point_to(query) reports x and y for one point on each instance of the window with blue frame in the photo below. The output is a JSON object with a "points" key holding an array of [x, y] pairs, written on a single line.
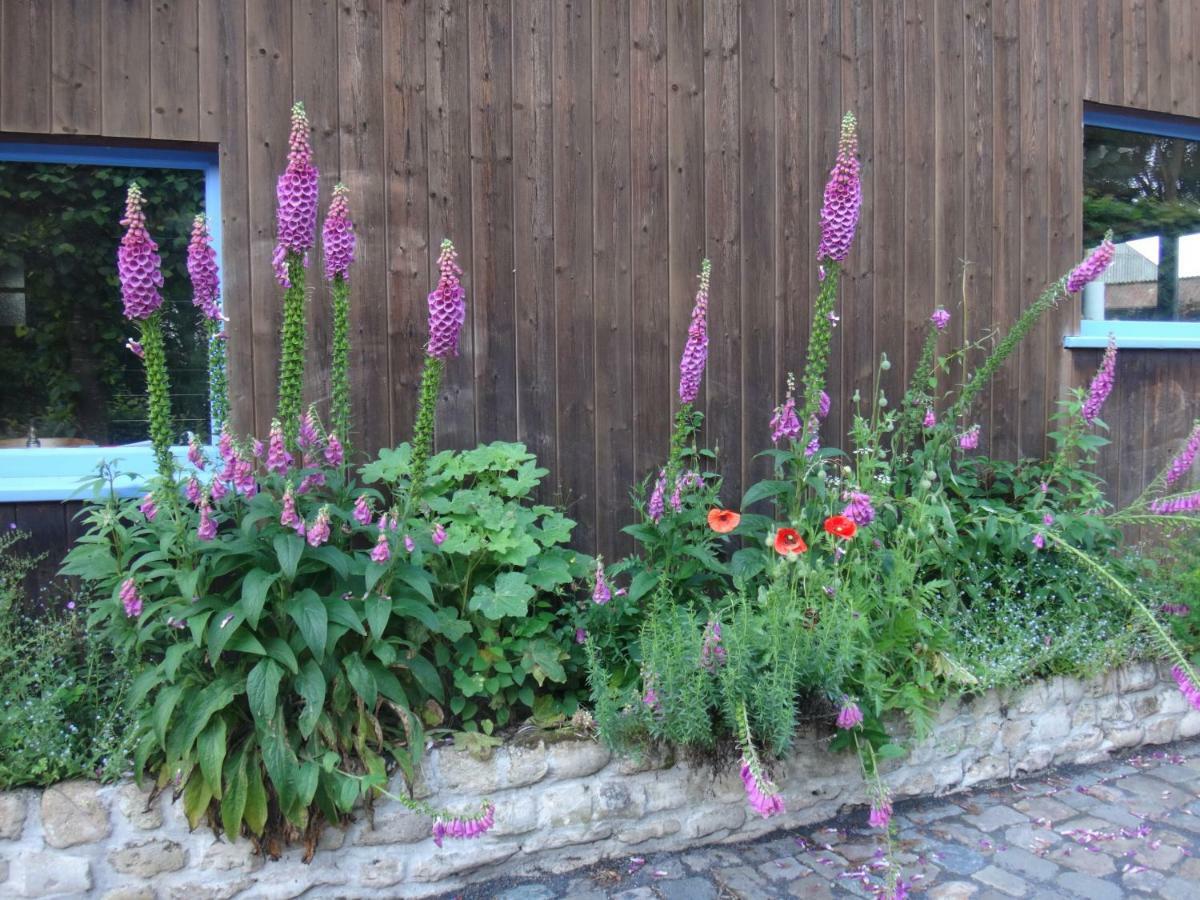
{"points": [[66, 376], [1141, 179]]}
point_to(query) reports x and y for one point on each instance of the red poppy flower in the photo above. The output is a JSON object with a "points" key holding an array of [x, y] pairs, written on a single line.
{"points": [[841, 526], [723, 521], [788, 541]]}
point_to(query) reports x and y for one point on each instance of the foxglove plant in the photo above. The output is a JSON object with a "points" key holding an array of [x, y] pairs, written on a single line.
{"points": [[761, 792], [1102, 383], [296, 223], [691, 370], [140, 271], [338, 241], [206, 296], [447, 313]]}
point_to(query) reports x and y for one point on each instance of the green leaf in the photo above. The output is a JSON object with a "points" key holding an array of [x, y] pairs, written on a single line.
{"points": [[427, 677], [509, 597], [310, 685], [305, 780], [255, 812], [332, 557], [196, 797], [642, 584], [420, 610], [262, 691], [171, 660], [416, 578], [220, 630], [379, 612], [308, 612], [277, 648], [255, 587], [361, 679], [763, 489], [342, 613], [288, 549], [164, 706], [746, 563], [280, 761], [210, 749], [548, 571], [233, 804]]}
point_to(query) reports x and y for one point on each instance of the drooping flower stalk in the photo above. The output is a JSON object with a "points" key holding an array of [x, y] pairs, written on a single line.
{"points": [[969, 439], [1184, 459], [296, 223], [785, 423], [1181, 504], [464, 826], [447, 313], [1092, 267], [1187, 685], [338, 240], [1102, 383], [849, 715], [764, 797]]}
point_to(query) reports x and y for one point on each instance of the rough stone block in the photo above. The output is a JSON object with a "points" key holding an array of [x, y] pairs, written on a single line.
{"points": [[381, 872], [525, 765], [218, 890], [394, 825], [13, 805], [565, 805], [1119, 737], [516, 814], [137, 807], [223, 856], [44, 874], [1161, 729], [1136, 677], [448, 861], [74, 813], [709, 820], [577, 759], [657, 757], [463, 773], [148, 858], [988, 768], [647, 831], [129, 893], [1189, 725], [620, 799]]}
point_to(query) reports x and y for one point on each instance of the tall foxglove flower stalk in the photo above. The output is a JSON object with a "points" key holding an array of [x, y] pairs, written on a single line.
{"points": [[785, 423], [1102, 383], [338, 241], [447, 313], [839, 221], [691, 369], [1092, 267], [140, 271], [206, 296], [296, 225]]}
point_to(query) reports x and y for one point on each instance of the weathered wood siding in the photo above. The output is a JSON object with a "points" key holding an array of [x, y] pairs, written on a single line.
{"points": [[585, 156]]}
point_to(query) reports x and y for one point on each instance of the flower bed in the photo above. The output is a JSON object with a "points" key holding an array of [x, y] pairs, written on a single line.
{"points": [[562, 803]]}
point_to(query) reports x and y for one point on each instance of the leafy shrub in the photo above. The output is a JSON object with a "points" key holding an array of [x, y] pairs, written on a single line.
{"points": [[62, 689]]}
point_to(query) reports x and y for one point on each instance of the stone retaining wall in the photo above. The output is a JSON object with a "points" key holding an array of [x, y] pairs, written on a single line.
{"points": [[560, 805]]}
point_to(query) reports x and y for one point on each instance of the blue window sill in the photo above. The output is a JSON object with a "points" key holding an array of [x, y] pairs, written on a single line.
{"points": [[62, 473], [1093, 334]]}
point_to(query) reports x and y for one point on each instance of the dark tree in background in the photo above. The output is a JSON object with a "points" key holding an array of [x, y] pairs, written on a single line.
{"points": [[64, 367], [1143, 185]]}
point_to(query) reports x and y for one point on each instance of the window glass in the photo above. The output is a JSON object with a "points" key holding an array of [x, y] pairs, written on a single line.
{"points": [[1146, 188], [64, 369]]}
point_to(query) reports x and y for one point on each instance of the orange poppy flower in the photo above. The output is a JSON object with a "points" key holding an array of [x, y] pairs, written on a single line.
{"points": [[788, 541], [841, 526], [723, 521]]}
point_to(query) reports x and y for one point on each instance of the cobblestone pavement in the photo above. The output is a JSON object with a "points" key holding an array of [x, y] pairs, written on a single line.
{"points": [[1125, 828]]}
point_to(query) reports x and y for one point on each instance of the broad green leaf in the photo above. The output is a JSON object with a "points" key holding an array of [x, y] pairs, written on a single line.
{"points": [[509, 597], [418, 609], [305, 779], [262, 691], [288, 549], [427, 676], [210, 750], [310, 685], [379, 612], [255, 812], [280, 761], [342, 613], [746, 563], [332, 557], [233, 803], [277, 648], [548, 571], [220, 630], [172, 658], [196, 797], [416, 578], [642, 584], [213, 698], [361, 679], [164, 706], [255, 587], [308, 612], [761, 490]]}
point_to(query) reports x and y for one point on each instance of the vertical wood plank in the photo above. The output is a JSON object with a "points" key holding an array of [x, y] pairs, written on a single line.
{"points": [[491, 217], [825, 111], [25, 66], [533, 233], [974, 307], [448, 133], [1007, 298], [175, 70], [919, 180], [1182, 66], [1088, 26], [1159, 62], [75, 88], [650, 234], [223, 77], [573, 262], [1135, 62], [795, 271], [408, 206], [722, 191], [685, 182], [859, 285], [950, 209], [1035, 163], [360, 117], [1112, 52], [314, 57], [611, 233], [889, 148], [125, 68], [756, 103], [268, 110]]}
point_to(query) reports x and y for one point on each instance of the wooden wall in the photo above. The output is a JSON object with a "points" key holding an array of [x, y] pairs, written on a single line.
{"points": [[585, 156]]}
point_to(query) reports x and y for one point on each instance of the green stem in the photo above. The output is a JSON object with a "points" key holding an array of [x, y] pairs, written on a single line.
{"points": [[291, 359], [218, 378], [340, 364], [423, 430], [158, 395]]}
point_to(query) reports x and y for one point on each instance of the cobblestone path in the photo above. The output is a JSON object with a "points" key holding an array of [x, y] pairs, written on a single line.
{"points": [[1125, 828]]}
